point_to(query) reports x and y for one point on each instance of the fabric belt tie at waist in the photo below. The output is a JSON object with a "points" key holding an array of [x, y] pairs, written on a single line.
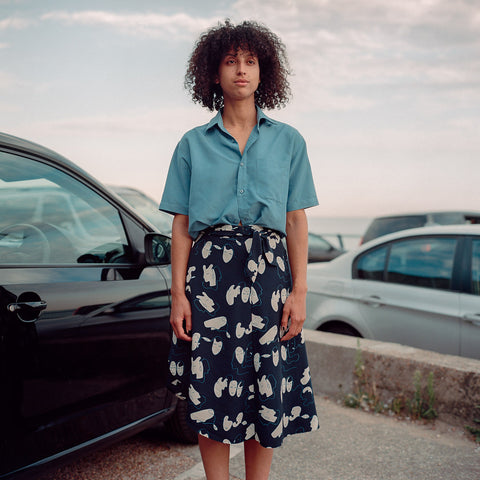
{"points": [[265, 244]]}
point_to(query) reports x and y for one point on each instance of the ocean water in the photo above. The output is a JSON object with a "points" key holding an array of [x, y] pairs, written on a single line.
{"points": [[350, 229]]}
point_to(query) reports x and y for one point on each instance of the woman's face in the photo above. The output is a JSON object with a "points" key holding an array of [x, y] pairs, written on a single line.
{"points": [[238, 75]]}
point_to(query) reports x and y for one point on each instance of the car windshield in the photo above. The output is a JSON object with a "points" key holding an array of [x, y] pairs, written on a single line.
{"points": [[147, 207]]}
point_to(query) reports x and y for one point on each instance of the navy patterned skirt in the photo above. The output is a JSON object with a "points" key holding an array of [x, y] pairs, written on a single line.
{"points": [[240, 380]]}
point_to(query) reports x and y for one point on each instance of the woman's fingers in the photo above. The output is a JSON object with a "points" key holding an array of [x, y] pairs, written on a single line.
{"points": [[294, 329], [181, 331], [293, 317], [188, 323], [181, 319]]}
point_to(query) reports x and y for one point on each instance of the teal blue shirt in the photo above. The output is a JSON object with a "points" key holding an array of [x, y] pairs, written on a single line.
{"points": [[213, 183]]}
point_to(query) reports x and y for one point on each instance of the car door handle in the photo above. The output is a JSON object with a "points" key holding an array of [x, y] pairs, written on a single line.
{"points": [[372, 301], [473, 318], [28, 312]]}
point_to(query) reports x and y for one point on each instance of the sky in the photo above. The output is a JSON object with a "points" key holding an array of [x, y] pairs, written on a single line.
{"points": [[386, 93]]}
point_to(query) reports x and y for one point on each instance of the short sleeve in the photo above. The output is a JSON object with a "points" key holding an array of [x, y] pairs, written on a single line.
{"points": [[176, 194], [301, 189]]}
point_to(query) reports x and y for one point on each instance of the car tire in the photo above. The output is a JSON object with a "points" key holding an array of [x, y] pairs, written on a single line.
{"points": [[341, 329], [178, 426]]}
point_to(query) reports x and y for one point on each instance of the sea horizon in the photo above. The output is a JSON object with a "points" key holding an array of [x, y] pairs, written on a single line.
{"points": [[350, 229]]}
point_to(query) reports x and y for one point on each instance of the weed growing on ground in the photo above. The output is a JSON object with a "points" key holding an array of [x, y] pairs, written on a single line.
{"points": [[475, 431], [365, 390], [365, 395], [422, 404]]}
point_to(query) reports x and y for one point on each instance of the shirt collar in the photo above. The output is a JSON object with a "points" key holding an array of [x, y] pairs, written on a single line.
{"points": [[217, 120]]}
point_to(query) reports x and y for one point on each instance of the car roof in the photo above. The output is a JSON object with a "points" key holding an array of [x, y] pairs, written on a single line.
{"points": [[20, 145], [426, 213], [467, 229], [123, 188]]}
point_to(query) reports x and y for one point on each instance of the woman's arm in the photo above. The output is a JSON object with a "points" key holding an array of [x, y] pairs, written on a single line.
{"points": [[181, 309], [297, 246]]}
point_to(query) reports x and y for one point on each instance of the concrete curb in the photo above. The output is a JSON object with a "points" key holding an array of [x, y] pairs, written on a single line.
{"points": [[391, 367]]}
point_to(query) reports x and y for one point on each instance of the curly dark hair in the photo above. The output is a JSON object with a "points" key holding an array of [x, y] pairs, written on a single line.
{"points": [[215, 43]]}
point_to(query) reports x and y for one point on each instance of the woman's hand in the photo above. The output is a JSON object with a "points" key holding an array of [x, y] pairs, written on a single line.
{"points": [[181, 317], [295, 311]]}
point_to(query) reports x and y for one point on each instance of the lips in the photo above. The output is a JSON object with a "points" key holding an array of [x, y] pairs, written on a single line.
{"points": [[241, 82]]}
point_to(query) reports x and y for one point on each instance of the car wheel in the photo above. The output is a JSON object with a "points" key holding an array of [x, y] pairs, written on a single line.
{"points": [[178, 426], [341, 329]]}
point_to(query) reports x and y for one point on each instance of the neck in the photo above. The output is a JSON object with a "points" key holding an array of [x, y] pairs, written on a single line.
{"points": [[239, 114]]}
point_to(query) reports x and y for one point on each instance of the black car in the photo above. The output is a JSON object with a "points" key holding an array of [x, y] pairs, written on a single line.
{"points": [[84, 309], [320, 249]]}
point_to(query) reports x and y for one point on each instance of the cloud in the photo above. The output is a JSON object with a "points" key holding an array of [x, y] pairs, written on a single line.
{"points": [[340, 46], [335, 45], [178, 26], [165, 121], [7, 80], [15, 23]]}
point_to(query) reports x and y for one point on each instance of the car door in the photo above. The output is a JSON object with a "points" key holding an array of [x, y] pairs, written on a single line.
{"points": [[404, 291], [470, 303], [84, 330]]}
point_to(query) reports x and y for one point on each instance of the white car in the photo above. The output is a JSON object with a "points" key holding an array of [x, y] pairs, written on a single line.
{"points": [[418, 287]]}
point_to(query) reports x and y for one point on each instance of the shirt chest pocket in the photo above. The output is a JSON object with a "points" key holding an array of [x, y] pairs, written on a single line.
{"points": [[271, 181]]}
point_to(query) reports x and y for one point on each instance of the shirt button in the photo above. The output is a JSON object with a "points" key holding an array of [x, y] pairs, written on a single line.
{"points": [[242, 190], [241, 164]]}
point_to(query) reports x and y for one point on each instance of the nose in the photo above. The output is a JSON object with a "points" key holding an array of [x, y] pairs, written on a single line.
{"points": [[241, 67]]}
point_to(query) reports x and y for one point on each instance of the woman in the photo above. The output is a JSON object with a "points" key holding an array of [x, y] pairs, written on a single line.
{"points": [[237, 186]]}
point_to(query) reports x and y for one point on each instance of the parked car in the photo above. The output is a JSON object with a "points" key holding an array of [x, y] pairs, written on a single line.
{"points": [[394, 223], [320, 249], [84, 309], [418, 287], [146, 206]]}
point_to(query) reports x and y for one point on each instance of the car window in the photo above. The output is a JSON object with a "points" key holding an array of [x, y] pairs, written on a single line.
{"points": [[49, 217], [476, 267], [317, 241], [448, 218], [423, 262], [371, 265]]}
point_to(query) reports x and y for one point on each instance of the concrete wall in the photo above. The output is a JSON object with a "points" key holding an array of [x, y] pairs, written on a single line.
{"points": [[391, 367]]}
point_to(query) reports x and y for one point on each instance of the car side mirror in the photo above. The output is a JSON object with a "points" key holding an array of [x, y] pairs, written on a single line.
{"points": [[157, 249]]}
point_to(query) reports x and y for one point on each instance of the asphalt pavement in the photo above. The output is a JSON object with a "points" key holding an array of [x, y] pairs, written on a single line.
{"points": [[350, 445], [355, 445]]}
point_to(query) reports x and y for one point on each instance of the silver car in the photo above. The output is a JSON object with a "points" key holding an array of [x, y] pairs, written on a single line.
{"points": [[418, 287]]}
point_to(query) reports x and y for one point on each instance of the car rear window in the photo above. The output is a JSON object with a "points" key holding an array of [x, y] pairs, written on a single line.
{"points": [[371, 265]]}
